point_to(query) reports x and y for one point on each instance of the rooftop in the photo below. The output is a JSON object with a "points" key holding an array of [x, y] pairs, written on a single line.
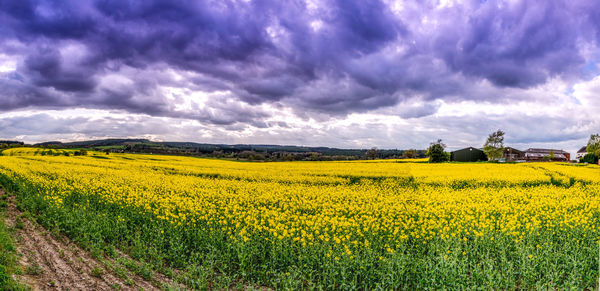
{"points": [[545, 151]]}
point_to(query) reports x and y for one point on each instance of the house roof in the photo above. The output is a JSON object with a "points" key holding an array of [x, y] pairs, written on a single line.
{"points": [[513, 149], [543, 155], [545, 151], [468, 148], [582, 150]]}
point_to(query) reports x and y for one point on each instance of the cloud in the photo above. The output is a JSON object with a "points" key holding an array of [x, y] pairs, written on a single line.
{"points": [[512, 44], [265, 51], [47, 67], [239, 64]]}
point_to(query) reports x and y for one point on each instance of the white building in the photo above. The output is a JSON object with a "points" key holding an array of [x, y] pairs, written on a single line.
{"points": [[581, 153]]}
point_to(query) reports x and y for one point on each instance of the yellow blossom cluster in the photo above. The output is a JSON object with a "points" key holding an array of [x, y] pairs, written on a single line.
{"points": [[354, 205]]}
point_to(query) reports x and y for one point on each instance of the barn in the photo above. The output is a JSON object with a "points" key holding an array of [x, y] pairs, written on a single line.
{"points": [[512, 154], [469, 154], [536, 155]]}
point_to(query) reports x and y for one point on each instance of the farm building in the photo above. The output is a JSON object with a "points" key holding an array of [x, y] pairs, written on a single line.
{"points": [[533, 155], [469, 154], [512, 154], [581, 153]]}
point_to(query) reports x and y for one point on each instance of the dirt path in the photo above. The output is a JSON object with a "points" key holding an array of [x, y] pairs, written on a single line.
{"points": [[55, 263]]}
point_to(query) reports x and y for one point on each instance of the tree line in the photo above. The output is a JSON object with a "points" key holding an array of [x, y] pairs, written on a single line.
{"points": [[494, 149]]}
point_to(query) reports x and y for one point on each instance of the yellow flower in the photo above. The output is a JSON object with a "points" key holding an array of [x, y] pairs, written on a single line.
{"points": [[324, 205]]}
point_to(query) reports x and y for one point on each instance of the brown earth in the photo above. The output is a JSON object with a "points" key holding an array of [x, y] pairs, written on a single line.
{"points": [[53, 262]]}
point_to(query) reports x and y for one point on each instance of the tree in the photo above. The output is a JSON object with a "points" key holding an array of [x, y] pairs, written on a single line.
{"points": [[494, 145], [315, 156], [589, 158], [251, 155], [372, 153], [593, 146], [552, 155], [410, 154], [436, 152]]}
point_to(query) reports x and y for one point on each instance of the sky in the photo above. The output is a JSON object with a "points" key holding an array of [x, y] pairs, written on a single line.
{"points": [[338, 73]]}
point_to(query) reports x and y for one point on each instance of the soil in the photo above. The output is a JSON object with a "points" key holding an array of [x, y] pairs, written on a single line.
{"points": [[53, 262]]}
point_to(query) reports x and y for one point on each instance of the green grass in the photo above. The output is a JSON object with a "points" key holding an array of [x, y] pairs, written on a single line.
{"points": [[8, 258], [97, 272]]}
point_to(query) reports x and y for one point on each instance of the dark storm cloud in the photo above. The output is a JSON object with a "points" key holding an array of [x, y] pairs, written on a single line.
{"points": [[337, 57], [515, 45], [45, 68]]}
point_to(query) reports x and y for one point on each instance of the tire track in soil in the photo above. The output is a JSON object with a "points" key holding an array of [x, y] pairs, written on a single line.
{"points": [[56, 263]]}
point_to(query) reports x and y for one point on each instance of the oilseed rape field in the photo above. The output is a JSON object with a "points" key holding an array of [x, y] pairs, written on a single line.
{"points": [[382, 224]]}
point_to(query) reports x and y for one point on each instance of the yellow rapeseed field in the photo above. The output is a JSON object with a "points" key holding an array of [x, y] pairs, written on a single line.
{"points": [[362, 224]]}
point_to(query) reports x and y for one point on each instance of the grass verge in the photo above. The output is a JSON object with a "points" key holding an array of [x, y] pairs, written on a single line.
{"points": [[8, 253]]}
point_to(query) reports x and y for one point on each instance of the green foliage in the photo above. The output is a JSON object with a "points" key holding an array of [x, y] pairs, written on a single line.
{"points": [[34, 269], [97, 272], [8, 261], [436, 152], [550, 156], [590, 159], [494, 145], [410, 154], [593, 146], [372, 153], [260, 152]]}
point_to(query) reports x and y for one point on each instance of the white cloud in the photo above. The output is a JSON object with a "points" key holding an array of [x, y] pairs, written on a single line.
{"points": [[7, 63]]}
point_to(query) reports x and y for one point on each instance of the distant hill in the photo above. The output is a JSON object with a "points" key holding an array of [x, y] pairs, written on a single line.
{"points": [[105, 142], [245, 151], [48, 143], [11, 142]]}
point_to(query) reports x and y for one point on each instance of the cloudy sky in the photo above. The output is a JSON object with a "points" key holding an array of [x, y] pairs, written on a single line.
{"points": [[353, 74]]}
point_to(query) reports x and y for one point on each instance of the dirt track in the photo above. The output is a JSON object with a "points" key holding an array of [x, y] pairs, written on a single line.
{"points": [[52, 262]]}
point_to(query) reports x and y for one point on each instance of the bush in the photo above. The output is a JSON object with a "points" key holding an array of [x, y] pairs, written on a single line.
{"points": [[590, 159], [436, 152]]}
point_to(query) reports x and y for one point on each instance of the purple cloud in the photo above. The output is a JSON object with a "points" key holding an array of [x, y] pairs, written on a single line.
{"points": [[331, 57]]}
